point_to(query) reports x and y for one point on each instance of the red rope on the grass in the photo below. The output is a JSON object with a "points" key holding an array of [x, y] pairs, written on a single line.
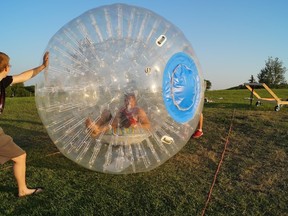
{"points": [[219, 165]]}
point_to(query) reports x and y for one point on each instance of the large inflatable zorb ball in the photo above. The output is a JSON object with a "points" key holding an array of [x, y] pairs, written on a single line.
{"points": [[123, 92]]}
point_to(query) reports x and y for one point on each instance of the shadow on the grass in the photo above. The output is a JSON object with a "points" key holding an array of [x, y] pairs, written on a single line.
{"points": [[18, 121], [8, 189], [229, 105], [241, 106]]}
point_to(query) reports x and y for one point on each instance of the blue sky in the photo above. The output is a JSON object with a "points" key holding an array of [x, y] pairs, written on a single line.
{"points": [[232, 39]]}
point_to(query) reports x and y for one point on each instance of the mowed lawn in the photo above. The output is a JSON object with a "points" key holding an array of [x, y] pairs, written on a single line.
{"points": [[252, 180]]}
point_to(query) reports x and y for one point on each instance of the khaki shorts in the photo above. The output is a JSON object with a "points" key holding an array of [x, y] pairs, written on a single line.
{"points": [[8, 149]]}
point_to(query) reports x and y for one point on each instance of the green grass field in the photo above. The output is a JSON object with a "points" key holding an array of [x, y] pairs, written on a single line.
{"points": [[253, 179]]}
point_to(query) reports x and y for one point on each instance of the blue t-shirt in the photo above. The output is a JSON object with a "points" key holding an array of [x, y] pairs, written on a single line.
{"points": [[4, 83]]}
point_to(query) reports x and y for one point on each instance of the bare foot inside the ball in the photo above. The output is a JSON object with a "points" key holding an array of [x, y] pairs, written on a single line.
{"points": [[92, 127]]}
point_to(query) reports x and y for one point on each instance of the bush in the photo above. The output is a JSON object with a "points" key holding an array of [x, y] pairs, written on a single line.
{"points": [[19, 90]]}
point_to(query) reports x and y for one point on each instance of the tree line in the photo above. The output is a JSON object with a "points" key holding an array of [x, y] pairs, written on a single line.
{"points": [[19, 90], [273, 75]]}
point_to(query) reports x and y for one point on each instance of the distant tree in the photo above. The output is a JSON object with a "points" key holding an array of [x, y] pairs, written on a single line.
{"points": [[208, 84], [31, 89], [21, 92], [17, 90], [252, 79], [273, 73], [9, 92]]}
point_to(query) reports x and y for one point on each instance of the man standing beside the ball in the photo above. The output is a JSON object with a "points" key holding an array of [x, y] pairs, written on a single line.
{"points": [[8, 149]]}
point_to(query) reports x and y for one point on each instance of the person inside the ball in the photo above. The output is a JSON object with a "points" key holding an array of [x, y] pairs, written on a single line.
{"points": [[129, 116]]}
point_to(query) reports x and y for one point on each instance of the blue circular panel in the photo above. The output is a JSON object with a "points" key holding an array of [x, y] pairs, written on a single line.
{"points": [[181, 87]]}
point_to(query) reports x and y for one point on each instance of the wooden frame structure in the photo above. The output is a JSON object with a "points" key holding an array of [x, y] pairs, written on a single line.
{"points": [[275, 98]]}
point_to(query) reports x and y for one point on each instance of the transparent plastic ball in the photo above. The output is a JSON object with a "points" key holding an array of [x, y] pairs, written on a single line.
{"points": [[123, 92]]}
